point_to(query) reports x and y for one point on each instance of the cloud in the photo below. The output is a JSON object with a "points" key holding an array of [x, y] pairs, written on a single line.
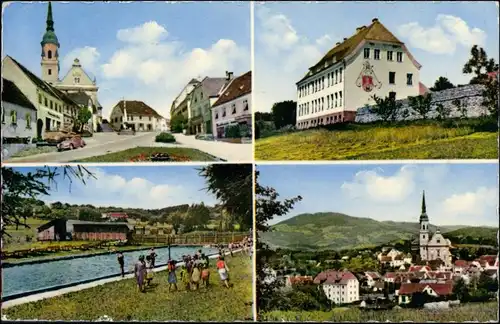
{"points": [[112, 189], [158, 68], [149, 32], [470, 204], [444, 37], [88, 56], [374, 186], [280, 54]]}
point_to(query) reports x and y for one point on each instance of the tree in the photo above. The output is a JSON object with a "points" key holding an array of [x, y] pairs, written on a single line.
{"points": [[83, 117], [479, 65], [17, 186], [490, 97], [460, 290], [232, 184], [421, 104], [386, 108], [284, 113], [267, 206], [176, 219], [442, 84], [197, 214], [263, 116], [88, 214], [178, 123]]}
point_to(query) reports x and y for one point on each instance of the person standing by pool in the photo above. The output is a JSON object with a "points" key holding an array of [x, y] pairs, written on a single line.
{"points": [[121, 262], [172, 277], [140, 273], [205, 276], [196, 276], [153, 255], [149, 270], [223, 271], [186, 278]]}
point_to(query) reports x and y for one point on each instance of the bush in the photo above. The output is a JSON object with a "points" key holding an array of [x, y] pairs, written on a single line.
{"points": [[165, 138], [233, 132]]}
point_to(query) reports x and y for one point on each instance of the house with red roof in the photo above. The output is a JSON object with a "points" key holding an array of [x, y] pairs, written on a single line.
{"points": [[419, 269], [115, 216], [407, 290], [341, 287], [298, 280]]}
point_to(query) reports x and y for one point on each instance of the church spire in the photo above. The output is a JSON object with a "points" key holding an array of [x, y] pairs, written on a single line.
{"points": [[423, 203], [50, 21]]}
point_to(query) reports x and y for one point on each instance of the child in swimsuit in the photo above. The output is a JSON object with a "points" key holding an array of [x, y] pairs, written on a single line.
{"points": [[205, 276]]}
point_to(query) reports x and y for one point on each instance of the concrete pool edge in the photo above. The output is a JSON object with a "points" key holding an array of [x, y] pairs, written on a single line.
{"points": [[55, 291]]}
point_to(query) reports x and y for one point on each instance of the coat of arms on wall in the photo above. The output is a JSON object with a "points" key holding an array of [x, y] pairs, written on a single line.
{"points": [[367, 78]]}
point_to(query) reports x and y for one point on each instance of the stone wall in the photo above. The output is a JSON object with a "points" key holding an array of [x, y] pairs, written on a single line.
{"points": [[469, 95], [10, 149]]}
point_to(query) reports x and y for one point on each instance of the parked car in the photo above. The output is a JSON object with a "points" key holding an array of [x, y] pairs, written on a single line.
{"points": [[71, 143]]}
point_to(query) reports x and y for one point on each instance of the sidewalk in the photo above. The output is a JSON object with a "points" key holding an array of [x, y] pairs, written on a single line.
{"points": [[229, 152]]}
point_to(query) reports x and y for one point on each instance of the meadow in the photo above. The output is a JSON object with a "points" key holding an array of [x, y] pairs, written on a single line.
{"points": [[467, 139], [121, 301], [479, 312]]}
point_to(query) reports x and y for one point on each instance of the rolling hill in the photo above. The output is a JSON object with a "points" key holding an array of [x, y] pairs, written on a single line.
{"points": [[335, 231]]}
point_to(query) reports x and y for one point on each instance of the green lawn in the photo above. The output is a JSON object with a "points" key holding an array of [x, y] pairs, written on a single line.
{"points": [[121, 300], [478, 312], [180, 155], [423, 140]]}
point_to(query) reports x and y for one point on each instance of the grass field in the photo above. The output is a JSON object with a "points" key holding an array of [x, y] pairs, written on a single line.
{"points": [[369, 142], [121, 300], [480, 312], [182, 154]]}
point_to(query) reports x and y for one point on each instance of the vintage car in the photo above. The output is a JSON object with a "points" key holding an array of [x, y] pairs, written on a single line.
{"points": [[71, 143]]}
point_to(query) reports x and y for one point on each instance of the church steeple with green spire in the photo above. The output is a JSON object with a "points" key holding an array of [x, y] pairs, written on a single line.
{"points": [[50, 36]]}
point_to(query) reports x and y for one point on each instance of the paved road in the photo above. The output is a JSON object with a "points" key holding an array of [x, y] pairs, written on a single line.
{"points": [[104, 143]]}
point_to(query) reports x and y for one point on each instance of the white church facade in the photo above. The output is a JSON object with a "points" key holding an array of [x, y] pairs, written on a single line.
{"points": [[431, 246], [370, 62], [76, 83]]}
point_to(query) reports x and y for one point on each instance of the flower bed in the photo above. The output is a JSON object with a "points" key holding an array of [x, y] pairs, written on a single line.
{"points": [[160, 157]]}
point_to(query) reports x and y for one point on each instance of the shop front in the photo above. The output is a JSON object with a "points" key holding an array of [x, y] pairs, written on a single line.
{"points": [[48, 121]]}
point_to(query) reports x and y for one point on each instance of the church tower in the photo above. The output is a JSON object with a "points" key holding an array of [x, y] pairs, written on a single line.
{"points": [[424, 231], [50, 52]]}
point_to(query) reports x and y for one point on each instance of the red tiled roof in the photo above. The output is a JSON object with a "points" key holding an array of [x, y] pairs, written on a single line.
{"points": [[385, 258], [390, 275], [137, 108], [442, 289], [240, 86], [490, 259], [300, 279], [419, 268], [374, 275], [461, 263], [334, 277]]}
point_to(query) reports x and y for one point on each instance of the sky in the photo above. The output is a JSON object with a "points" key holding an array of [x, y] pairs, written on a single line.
{"points": [[455, 194], [138, 51], [291, 37], [147, 187]]}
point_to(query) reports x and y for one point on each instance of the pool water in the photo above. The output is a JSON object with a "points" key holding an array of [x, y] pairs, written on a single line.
{"points": [[30, 277]]}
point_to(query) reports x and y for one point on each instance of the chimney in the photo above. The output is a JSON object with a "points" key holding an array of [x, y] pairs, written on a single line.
{"points": [[374, 20], [229, 76]]}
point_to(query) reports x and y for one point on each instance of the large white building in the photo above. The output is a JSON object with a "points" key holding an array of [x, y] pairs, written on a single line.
{"points": [[370, 62], [341, 287], [233, 106], [431, 246], [136, 115]]}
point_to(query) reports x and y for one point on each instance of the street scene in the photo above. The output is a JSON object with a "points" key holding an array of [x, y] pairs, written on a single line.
{"points": [[377, 242], [127, 243], [145, 90]]}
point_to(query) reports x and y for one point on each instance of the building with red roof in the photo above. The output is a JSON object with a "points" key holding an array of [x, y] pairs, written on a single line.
{"points": [[406, 290], [341, 287]]}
